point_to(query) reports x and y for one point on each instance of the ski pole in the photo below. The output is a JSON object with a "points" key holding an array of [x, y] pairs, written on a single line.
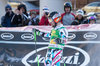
{"points": [[35, 46], [64, 62]]}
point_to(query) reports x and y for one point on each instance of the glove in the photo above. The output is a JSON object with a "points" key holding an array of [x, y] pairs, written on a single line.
{"points": [[39, 33], [36, 31]]}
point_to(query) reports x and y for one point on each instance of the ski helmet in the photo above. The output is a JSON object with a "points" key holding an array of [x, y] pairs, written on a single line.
{"points": [[54, 16], [68, 4], [91, 14]]}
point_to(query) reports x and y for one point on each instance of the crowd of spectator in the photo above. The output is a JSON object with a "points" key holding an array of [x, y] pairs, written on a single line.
{"points": [[20, 17]]}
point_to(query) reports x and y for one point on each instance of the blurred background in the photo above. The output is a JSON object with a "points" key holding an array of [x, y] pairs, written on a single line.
{"points": [[37, 5]]}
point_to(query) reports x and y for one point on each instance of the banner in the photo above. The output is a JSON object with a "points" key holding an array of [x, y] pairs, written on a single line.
{"points": [[18, 48]]}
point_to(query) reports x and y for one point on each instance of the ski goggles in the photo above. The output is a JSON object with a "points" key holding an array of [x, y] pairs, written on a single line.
{"points": [[56, 20]]}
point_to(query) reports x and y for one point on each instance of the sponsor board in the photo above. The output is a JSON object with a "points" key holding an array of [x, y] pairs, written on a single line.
{"points": [[71, 60], [28, 36], [75, 54]]}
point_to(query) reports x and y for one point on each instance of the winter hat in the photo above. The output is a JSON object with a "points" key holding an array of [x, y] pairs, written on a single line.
{"points": [[91, 18], [45, 9], [92, 14], [80, 12], [8, 6]]}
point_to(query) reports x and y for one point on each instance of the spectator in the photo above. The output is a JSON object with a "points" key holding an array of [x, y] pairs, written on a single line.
{"points": [[44, 19], [34, 20], [79, 17], [91, 19], [24, 9], [21, 17], [67, 17], [6, 19]]}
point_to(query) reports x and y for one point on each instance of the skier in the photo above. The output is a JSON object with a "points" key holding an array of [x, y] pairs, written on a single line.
{"points": [[58, 38]]}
